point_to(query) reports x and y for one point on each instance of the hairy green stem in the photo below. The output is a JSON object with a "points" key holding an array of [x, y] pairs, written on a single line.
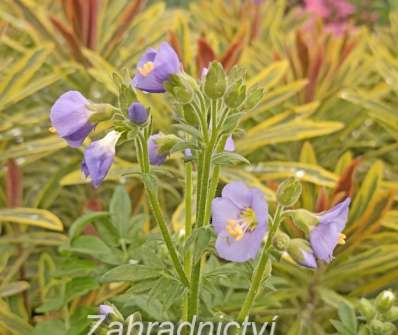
{"points": [[188, 228], [142, 149], [259, 272]]}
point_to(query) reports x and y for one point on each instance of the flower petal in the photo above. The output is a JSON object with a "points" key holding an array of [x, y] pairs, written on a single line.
{"points": [[223, 210], [243, 250], [260, 206], [166, 62], [325, 236], [69, 113], [153, 151], [238, 193], [77, 138]]}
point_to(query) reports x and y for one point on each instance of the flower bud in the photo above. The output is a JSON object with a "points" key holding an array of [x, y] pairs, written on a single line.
{"points": [[367, 309], [385, 301], [304, 219], [189, 115], [180, 87], [281, 241], [254, 96], [137, 113], [392, 314], [289, 192], [378, 327], [166, 143], [235, 95], [300, 251], [216, 81]]}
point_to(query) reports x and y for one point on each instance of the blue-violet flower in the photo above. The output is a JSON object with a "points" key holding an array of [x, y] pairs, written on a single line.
{"points": [[155, 67], [98, 157], [240, 221], [70, 117]]}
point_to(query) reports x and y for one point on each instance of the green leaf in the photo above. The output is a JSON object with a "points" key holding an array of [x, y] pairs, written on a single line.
{"points": [[78, 287], [348, 317], [78, 226], [53, 327], [130, 272], [120, 210], [93, 246], [228, 158]]}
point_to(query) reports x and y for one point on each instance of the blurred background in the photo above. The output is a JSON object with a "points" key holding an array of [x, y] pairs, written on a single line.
{"points": [[329, 117]]}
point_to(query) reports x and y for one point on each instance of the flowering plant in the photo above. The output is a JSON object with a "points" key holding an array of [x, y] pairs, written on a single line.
{"points": [[208, 113]]}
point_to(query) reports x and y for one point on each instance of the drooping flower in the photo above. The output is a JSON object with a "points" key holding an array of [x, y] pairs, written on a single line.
{"points": [[98, 157], [70, 117], [155, 67], [137, 113], [240, 221], [229, 144], [155, 157], [325, 236], [159, 146], [105, 310]]}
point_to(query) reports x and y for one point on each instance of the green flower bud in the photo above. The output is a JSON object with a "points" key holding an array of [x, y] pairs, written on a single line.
{"points": [[216, 81], [180, 87], [189, 115], [101, 112], [166, 143], [384, 301], [300, 251], [392, 314], [281, 241], [378, 327], [254, 96], [304, 220], [236, 94], [289, 192], [367, 309]]}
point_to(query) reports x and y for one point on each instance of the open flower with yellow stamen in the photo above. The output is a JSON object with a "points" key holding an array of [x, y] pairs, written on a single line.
{"points": [[240, 220], [155, 67], [325, 236]]}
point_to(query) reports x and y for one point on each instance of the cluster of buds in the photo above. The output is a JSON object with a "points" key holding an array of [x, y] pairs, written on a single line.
{"points": [[379, 314]]}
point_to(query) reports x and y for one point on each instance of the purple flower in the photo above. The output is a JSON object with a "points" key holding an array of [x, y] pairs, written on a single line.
{"points": [[229, 144], [240, 221], [105, 310], [70, 117], [155, 67], [155, 157], [137, 113], [98, 157], [327, 234]]}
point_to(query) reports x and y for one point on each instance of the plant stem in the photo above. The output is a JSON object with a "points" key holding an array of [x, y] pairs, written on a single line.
{"points": [[202, 208], [261, 267], [188, 228], [157, 212]]}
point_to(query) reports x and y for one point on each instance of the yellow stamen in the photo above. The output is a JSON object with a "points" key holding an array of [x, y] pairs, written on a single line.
{"points": [[235, 230], [342, 238], [146, 68], [52, 130]]}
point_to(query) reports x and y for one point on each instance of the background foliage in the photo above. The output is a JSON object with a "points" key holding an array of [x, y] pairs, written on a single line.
{"points": [[328, 117]]}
